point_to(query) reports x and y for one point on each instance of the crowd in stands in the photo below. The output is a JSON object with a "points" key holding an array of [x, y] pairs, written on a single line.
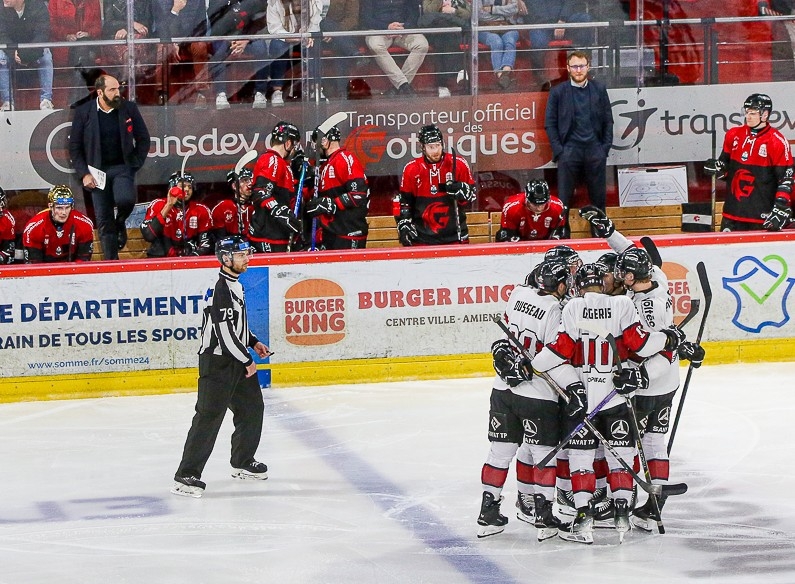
{"points": [[330, 66]]}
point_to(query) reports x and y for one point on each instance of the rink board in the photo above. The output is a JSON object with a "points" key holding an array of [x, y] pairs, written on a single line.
{"points": [[379, 315]]}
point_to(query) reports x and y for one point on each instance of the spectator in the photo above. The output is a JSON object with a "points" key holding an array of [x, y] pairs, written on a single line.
{"points": [[236, 17], [25, 21], [342, 15], [284, 17], [560, 12], [59, 233], [233, 216], [8, 234], [533, 214], [579, 124], [108, 144], [501, 45], [184, 18], [434, 190], [114, 27], [395, 15], [450, 66], [75, 21], [176, 225]]}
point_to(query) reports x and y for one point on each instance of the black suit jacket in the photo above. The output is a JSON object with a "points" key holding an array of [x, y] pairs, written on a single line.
{"points": [[559, 121], [84, 140]]}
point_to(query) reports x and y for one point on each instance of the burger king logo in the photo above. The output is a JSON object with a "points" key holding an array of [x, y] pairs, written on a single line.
{"points": [[679, 288], [314, 313]]}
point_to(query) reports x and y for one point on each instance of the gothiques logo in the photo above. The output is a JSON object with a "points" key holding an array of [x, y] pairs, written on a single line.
{"points": [[314, 313]]}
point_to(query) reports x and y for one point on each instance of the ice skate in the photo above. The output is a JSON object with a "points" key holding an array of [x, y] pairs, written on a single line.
{"points": [[252, 471], [545, 521], [581, 529], [565, 501], [490, 521], [603, 513], [622, 518], [525, 508], [645, 517], [188, 487]]}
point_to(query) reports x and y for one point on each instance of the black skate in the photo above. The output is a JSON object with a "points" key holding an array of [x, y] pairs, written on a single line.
{"points": [[188, 487], [252, 471], [645, 517], [581, 529], [622, 518], [565, 500], [490, 521], [525, 508], [545, 521], [603, 511]]}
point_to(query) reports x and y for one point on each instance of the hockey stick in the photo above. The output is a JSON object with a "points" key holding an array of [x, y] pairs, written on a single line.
{"points": [[651, 249], [299, 195], [455, 202], [244, 160], [72, 241], [713, 189], [707, 291]]}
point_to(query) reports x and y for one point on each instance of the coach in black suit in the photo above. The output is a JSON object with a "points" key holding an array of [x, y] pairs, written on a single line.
{"points": [[579, 124], [109, 133]]}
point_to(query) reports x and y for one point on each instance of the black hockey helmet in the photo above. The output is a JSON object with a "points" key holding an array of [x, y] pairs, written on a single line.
{"points": [[232, 176], [60, 195], [177, 178], [224, 248], [589, 275], [333, 135], [564, 254], [759, 101], [608, 260], [633, 261], [430, 134], [551, 274], [531, 279], [537, 192], [3, 199], [284, 131]]}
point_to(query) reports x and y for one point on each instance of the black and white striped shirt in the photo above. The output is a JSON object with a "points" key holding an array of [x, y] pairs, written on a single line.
{"points": [[224, 322]]}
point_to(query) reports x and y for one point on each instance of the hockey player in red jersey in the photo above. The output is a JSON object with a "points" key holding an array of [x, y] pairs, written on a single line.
{"points": [[232, 216], [273, 194], [581, 360], [7, 231], [343, 195], [177, 225], [523, 414], [435, 190], [59, 233], [757, 163], [533, 214]]}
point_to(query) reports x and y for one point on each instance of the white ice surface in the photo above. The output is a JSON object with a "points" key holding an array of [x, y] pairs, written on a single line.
{"points": [[376, 483]]}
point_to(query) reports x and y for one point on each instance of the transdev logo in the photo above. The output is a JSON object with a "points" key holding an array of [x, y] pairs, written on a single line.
{"points": [[679, 287], [314, 313]]}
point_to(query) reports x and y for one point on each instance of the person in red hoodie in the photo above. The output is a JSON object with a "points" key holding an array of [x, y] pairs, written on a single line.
{"points": [[75, 21], [59, 233]]}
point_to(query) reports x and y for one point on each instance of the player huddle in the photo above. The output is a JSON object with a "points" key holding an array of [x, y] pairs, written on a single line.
{"points": [[586, 376]]}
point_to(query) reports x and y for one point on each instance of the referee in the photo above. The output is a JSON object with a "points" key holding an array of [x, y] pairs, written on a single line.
{"points": [[226, 378]]}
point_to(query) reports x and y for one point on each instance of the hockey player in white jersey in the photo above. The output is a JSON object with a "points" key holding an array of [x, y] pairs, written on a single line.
{"points": [[524, 419], [580, 344]]}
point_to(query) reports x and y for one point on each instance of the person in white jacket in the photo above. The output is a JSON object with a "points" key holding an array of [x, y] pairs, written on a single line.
{"points": [[285, 17]]}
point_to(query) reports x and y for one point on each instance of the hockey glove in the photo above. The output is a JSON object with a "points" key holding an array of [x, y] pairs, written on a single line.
{"points": [[460, 191], [506, 235], [692, 352], [577, 407], [675, 338], [601, 223], [407, 232], [513, 369], [779, 215], [715, 167], [320, 206], [629, 380], [283, 215]]}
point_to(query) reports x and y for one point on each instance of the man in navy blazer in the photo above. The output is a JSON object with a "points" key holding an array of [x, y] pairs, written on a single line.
{"points": [[109, 135], [579, 124]]}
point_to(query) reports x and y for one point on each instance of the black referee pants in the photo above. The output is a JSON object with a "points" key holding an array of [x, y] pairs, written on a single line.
{"points": [[223, 384]]}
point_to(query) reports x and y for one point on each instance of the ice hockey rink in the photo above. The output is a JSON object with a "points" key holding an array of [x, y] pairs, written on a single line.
{"points": [[377, 483]]}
